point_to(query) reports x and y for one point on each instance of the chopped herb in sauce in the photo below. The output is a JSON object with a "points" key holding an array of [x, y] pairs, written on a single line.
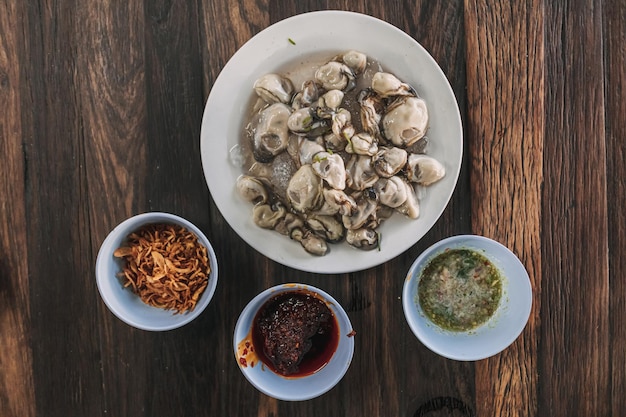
{"points": [[459, 289], [291, 41]]}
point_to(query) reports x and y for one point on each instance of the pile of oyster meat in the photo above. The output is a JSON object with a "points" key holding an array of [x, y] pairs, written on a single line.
{"points": [[332, 160]]}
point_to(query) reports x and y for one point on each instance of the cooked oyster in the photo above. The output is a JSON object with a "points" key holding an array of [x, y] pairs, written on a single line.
{"points": [[252, 189], [326, 227], [271, 135], [335, 76], [342, 124], [335, 143], [381, 214], [293, 226], [356, 60], [329, 103], [304, 121], [389, 161], [301, 120], [405, 121], [424, 169], [362, 144], [360, 172], [366, 206], [371, 110], [288, 224], [307, 149], [331, 169], [306, 96], [391, 192], [364, 238], [388, 85], [274, 88], [337, 201], [411, 206], [304, 191], [267, 216], [311, 243]]}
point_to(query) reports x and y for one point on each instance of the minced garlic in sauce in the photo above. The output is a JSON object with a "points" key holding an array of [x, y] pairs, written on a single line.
{"points": [[459, 289]]}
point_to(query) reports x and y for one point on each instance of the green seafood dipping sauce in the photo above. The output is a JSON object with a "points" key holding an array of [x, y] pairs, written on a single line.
{"points": [[459, 289]]}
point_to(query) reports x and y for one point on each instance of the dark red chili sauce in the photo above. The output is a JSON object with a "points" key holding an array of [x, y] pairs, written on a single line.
{"points": [[295, 333]]}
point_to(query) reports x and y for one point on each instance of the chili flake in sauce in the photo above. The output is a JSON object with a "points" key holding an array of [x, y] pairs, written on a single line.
{"points": [[459, 289], [296, 333]]}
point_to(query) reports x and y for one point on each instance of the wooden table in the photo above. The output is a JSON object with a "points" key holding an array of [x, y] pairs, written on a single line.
{"points": [[100, 111]]}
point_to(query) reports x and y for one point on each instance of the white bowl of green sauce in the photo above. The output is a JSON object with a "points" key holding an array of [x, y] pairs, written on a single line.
{"points": [[467, 297]]}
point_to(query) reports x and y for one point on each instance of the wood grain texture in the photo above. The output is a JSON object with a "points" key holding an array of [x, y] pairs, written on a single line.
{"points": [[506, 118], [65, 352], [16, 379], [575, 323], [100, 113], [614, 39], [113, 100]]}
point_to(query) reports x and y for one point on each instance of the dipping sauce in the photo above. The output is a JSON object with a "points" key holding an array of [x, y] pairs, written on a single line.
{"points": [[295, 333], [459, 289]]}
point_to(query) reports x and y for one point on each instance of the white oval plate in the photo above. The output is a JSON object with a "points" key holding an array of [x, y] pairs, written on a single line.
{"points": [[312, 33]]}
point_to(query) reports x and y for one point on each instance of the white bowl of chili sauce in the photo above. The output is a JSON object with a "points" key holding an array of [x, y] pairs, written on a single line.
{"points": [[467, 297], [293, 342]]}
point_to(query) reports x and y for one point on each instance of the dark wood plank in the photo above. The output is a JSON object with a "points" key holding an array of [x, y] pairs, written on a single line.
{"points": [[431, 381], [575, 286], [63, 295], [505, 121], [112, 96], [16, 378], [224, 27], [614, 39], [174, 182]]}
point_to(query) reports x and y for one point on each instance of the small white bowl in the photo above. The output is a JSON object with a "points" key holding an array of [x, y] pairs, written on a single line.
{"points": [[294, 388], [122, 302], [499, 331]]}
